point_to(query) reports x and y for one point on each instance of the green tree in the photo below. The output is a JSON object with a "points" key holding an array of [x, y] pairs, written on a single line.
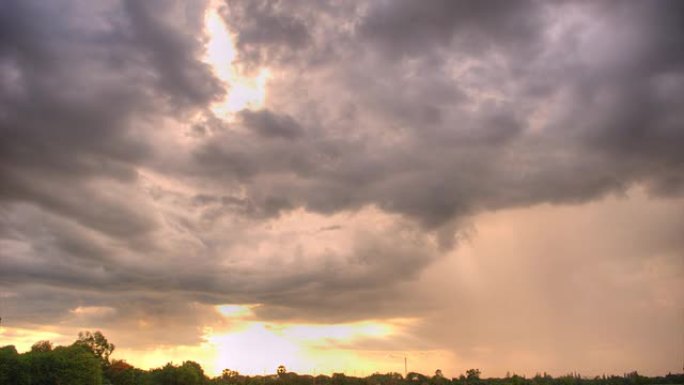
{"points": [[42, 346], [96, 343], [11, 367], [70, 365], [190, 373], [164, 376], [119, 372], [41, 367], [76, 365]]}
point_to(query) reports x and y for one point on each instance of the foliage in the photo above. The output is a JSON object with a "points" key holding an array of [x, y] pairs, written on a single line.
{"points": [[73, 365], [189, 373], [473, 374], [76, 365], [86, 362], [42, 346], [11, 366], [119, 372], [96, 343]]}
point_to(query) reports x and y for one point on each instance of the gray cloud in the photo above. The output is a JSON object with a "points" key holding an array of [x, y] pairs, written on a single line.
{"points": [[286, 32], [405, 28], [171, 39], [114, 194], [470, 140]]}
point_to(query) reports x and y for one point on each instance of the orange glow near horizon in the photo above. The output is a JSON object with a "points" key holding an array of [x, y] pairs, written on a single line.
{"points": [[257, 347], [23, 338]]}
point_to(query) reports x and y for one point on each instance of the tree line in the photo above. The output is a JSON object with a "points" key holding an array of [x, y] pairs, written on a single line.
{"points": [[87, 362]]}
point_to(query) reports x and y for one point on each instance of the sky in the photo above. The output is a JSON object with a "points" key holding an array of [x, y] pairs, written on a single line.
{"points": [[337, 186]]}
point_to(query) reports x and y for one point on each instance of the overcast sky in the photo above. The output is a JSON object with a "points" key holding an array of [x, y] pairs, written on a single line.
{"points": [[491, 184]]}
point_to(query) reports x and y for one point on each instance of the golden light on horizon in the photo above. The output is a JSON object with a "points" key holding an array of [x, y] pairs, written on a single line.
{"points": [[258, 347], [241, 91], [23, 338]]}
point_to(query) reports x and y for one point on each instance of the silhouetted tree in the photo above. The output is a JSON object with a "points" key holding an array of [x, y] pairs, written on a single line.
{"points": [[229, 375], [473, 374], [119, 372], [82, 364], [42, 346], [385, 379], [338, 379], [96, 343], [281, 370]]}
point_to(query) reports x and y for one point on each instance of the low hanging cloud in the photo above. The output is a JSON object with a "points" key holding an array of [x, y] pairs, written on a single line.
{"points": [[389, 125]]}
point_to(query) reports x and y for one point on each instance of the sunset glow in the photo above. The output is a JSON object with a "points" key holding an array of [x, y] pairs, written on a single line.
{"points": [[301, 347], [276, 192]]}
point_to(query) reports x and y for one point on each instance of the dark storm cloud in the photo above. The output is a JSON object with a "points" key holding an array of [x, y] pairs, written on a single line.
{"points": [[602, 87], [406, 28], [429, 111], [269, 124], [76, 82], [80, 83], [171, 39]]}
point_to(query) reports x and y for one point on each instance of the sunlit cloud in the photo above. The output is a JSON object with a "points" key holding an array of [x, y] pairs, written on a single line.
{"points": [[242, 91], [93, 311], [236, 311]]}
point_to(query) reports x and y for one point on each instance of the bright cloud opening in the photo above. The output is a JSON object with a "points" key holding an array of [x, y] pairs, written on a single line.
{"points": [[258, 347], [242, 91]]}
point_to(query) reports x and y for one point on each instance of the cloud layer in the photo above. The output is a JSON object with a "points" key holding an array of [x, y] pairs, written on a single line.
{"points": [[387, 128]]}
